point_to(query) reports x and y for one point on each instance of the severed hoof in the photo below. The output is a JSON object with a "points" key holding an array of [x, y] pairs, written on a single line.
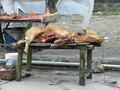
{"points": [[54, 46], [57, 41], [14, 45], [26, 52], [57, 45]]}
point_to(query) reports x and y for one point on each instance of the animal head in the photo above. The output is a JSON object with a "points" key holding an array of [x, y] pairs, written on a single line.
{"points": [[89, 36]]}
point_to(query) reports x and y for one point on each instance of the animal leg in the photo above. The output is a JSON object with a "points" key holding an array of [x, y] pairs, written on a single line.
{"points": [[30, 37], [62, 40], [28, 41], [21, 41], [14, 45]]}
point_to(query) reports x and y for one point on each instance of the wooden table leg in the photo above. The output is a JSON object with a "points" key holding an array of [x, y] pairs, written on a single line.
{"points": [[19, 64], [1, 35], [89, 63], [29, 58], [82, 67], [28, 27]]}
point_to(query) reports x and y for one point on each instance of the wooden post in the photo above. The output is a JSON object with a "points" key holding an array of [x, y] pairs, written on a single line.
{"points": [[29, 58], [82, 67], [28, 27], [46, 6], [89, 63], [19, 64], [1, 36]]}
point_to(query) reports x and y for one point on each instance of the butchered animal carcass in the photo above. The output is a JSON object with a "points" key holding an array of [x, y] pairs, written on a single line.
{"points": [[58, 35]]}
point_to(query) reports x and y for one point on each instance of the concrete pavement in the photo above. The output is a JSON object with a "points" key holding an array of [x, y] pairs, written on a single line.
{"points": [[62, 80], [57, 79]]}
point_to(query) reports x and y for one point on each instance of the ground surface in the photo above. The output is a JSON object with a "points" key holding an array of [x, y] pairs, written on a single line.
{"points": [[45, 79], [107, 26]]}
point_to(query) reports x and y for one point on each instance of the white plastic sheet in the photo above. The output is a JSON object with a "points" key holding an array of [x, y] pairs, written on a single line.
{"points": [[27, 6], [82, 7], [8, 6], [36, 6]]}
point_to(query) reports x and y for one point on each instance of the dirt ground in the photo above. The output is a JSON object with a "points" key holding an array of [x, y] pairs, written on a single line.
{"points": [[104, 25]]}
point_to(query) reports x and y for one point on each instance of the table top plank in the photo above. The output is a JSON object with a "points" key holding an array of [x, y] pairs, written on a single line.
{"points": [[66, 46], [20, 20]]}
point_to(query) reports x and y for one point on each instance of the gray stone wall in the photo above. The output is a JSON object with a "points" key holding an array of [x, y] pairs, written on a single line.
{"points": [[107, 4]]}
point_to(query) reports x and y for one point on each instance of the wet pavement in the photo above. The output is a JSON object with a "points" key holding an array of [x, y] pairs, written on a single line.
{"points": [[49, 78], [67, 79]]}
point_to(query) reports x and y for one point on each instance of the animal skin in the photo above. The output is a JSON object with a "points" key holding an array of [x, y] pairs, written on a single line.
{"points": [[59, 35]]}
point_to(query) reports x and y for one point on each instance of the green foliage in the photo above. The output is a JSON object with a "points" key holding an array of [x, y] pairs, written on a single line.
{"points": [[112, 62], [106, 10]]}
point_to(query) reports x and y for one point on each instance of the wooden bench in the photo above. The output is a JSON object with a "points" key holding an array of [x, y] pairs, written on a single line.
{"points": [[85, 50]]}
